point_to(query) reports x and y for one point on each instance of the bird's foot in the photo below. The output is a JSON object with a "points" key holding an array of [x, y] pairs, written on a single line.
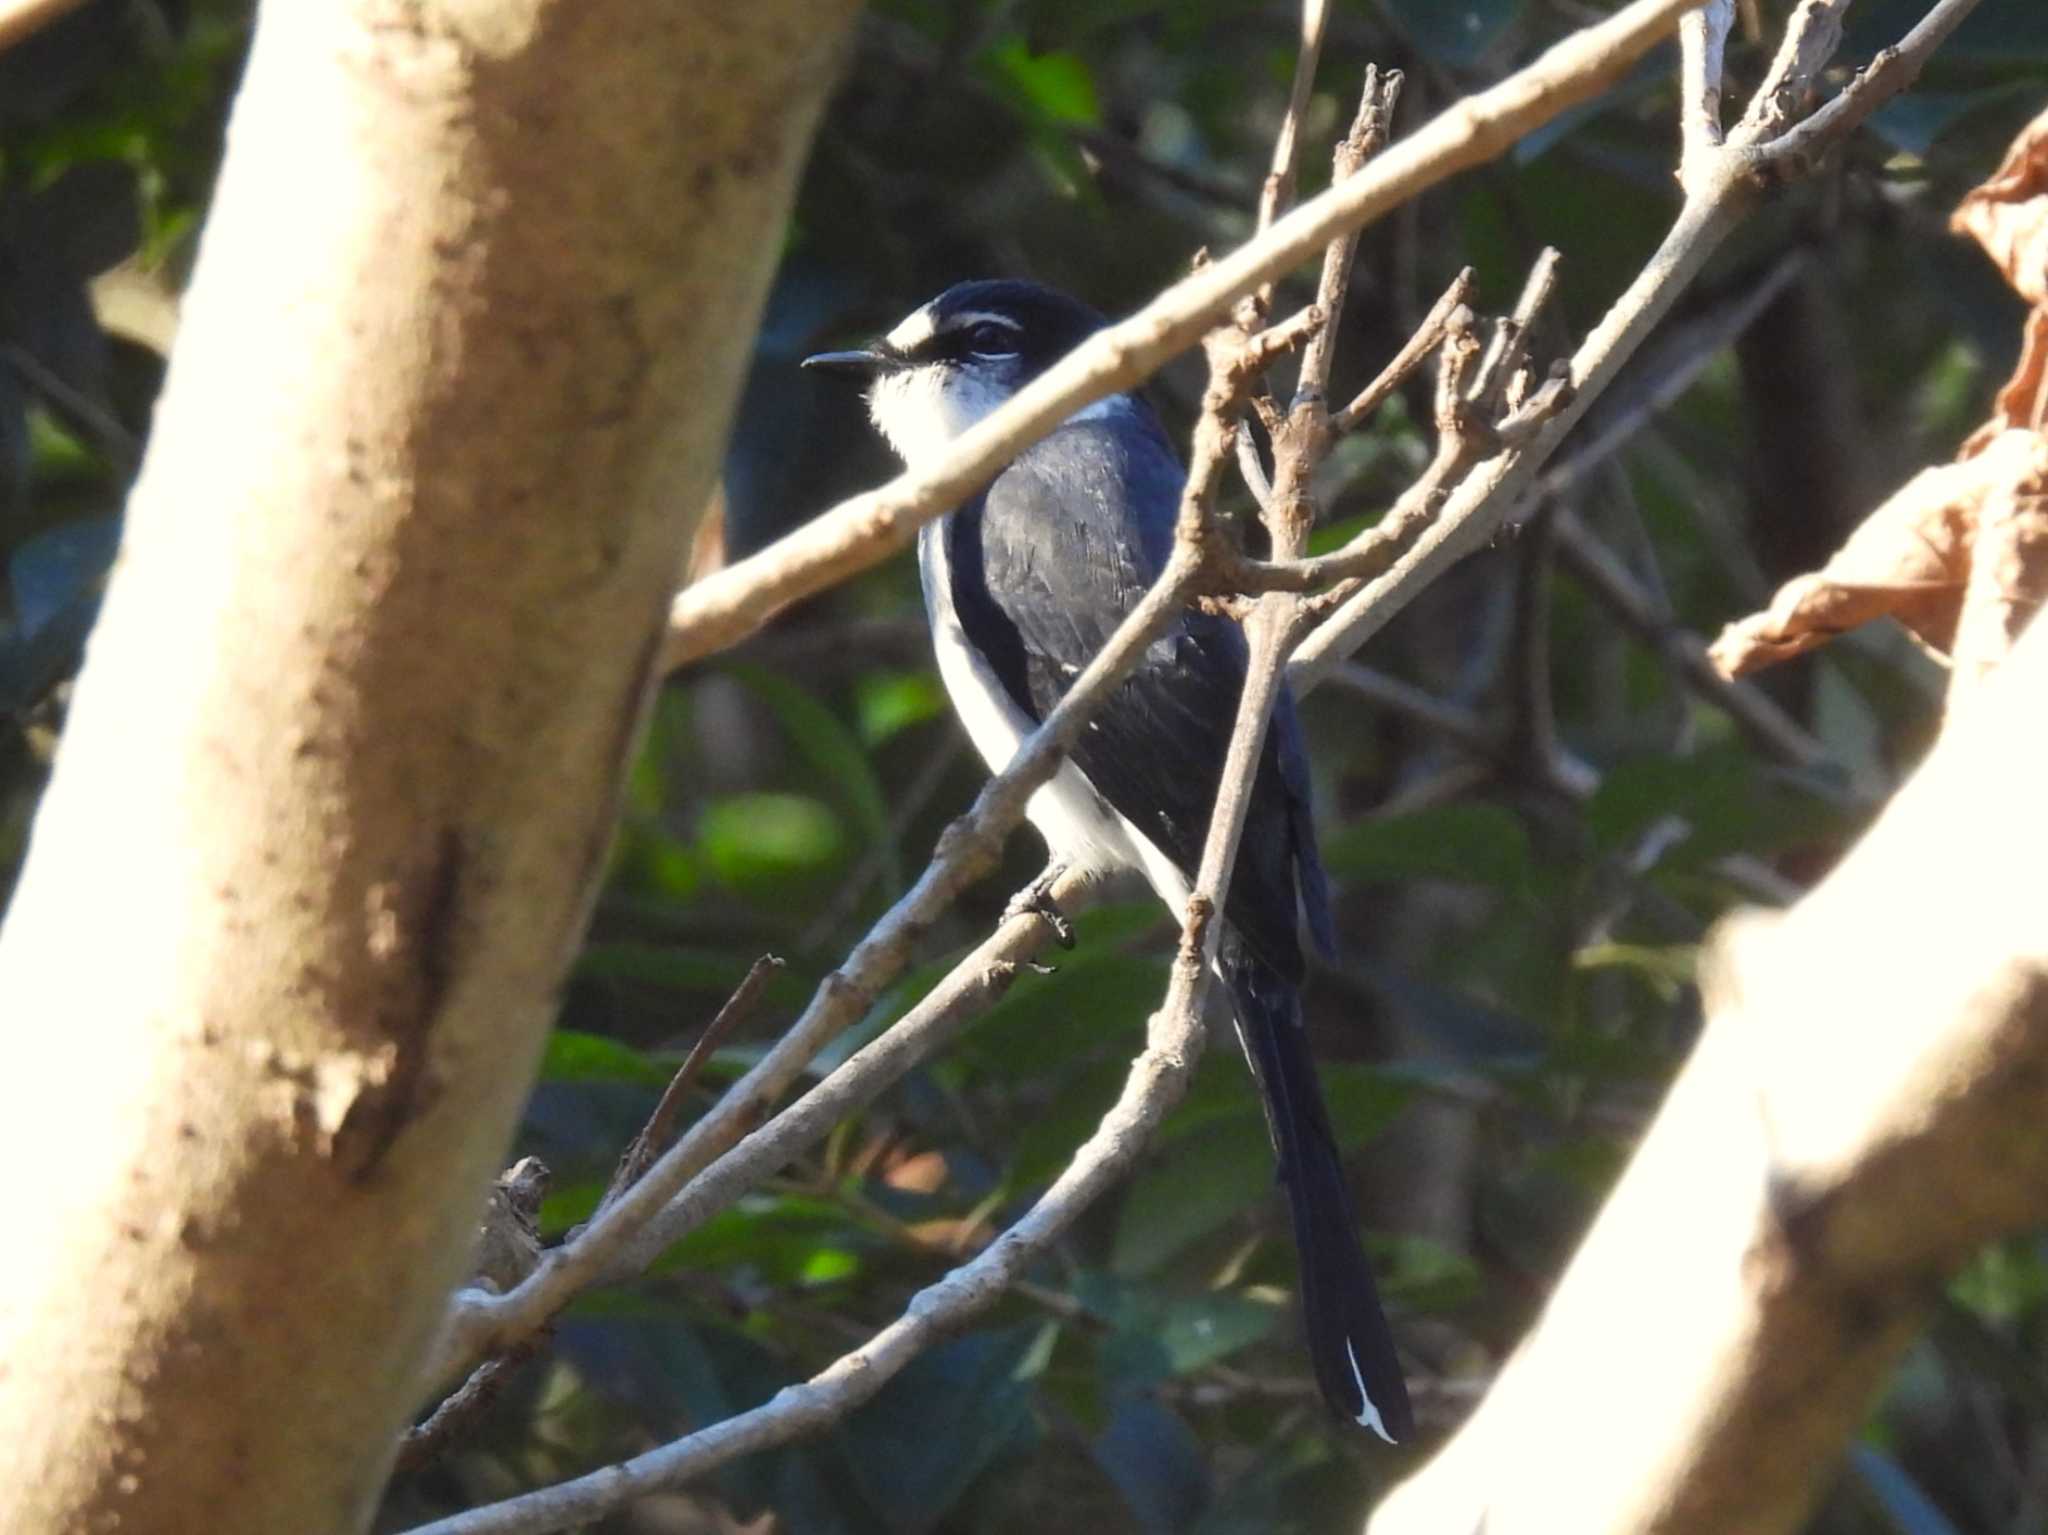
{"points": [[1035, 900]]}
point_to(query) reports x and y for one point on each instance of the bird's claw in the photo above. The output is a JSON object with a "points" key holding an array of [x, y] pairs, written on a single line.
{"points": [[1035, 900]]}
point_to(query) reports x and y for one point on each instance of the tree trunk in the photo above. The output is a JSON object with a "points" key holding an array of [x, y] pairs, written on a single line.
{"points": [[455, 373], [1862, 1114]]}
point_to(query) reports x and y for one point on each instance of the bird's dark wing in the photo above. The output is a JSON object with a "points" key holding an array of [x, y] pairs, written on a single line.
{"points": [[1044, 566]]}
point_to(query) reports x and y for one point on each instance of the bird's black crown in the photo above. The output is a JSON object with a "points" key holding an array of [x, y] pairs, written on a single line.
{"points": [[1036, 323]]}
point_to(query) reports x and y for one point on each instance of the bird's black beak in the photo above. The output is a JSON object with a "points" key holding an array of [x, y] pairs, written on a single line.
{"points": [[863, 367]]}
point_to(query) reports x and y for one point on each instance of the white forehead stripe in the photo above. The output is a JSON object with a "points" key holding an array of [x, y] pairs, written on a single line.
{"points": [[919, 328], [914, 332]]}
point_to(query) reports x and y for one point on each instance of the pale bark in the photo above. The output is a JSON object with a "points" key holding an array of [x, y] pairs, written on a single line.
{"points": [[1864, 1112], [454, 374]]}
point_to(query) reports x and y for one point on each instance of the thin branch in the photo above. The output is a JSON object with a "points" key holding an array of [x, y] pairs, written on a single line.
{"points": [[1370, 130], [115, 440], [483, 1324], [729, 605], [1484, 501], [647, 1145], [1812, 34], [1773, 730], [972, 984], [426, 1442], [1781, 1233], [1157, 1080], [1429, 335], [912, 802], [1667, 368], [1702, 41], [859, 533], [1799, 148], [1276, 194]]}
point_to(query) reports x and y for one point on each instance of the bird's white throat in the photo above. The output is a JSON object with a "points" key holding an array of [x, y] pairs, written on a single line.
{"points": [[921, 410]]}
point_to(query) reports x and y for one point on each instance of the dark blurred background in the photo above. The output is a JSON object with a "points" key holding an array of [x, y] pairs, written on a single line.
{"points": [[1531, 803]]}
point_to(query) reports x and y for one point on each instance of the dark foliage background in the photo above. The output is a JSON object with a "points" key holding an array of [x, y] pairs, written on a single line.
{"points": [[1517, 977]]}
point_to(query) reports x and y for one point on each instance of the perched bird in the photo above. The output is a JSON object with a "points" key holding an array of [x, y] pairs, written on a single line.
{"points": [[1023, 585]]}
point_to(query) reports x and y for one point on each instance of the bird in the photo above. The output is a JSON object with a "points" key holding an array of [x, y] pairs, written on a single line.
{"points": [[1023, 584]]}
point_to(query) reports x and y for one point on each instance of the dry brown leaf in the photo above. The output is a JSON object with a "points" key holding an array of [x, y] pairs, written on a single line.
{"points": [[1911, 559], [2008, 214], [1959, 555], [2023, 402], [2008, 560]]}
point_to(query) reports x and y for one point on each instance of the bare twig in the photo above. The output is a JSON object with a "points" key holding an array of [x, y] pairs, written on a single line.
{"points": [[425, 1442], [1765, 1210], [1666, 369], [1773, 730], [115, 440], [1157, 1080], [1798, 149], [1489, 495], [860, 532], [1812, 34], [726, 607], [1702, 40], [483, 1324], [625, 1234], [1276, 195], [1429, 335], [1370, 130], [647, 1145], [973, 983], [911, 803]]}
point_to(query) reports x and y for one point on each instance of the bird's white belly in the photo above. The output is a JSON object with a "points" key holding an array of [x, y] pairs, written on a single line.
{"points": [[1080, 828]]}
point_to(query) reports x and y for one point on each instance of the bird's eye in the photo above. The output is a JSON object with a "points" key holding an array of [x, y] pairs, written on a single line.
{"points": [[991, 340]]}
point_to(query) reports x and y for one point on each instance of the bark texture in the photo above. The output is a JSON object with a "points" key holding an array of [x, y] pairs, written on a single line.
{"points": [[455, 373], [1862, 1115]]}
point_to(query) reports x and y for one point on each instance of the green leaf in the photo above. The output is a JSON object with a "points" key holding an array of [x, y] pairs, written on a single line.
{"points": [[1362, 1099], [573, 1056], [1218, 1158], [1471, 842], [2006, 1283], [563, 1208], [1048, 1141], [920, 1443], [1157, 1463], [1055, 87], [887, 703], [651, 861], [1727, 800], [834, 753], [1087, 1002], [1424, 1275], [755, 843], [1208, 1180], [785, 1240], [1155, 1335]]}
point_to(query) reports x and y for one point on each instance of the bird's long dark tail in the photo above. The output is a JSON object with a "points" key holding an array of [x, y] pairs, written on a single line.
{"points": [[1348, 1340]]}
